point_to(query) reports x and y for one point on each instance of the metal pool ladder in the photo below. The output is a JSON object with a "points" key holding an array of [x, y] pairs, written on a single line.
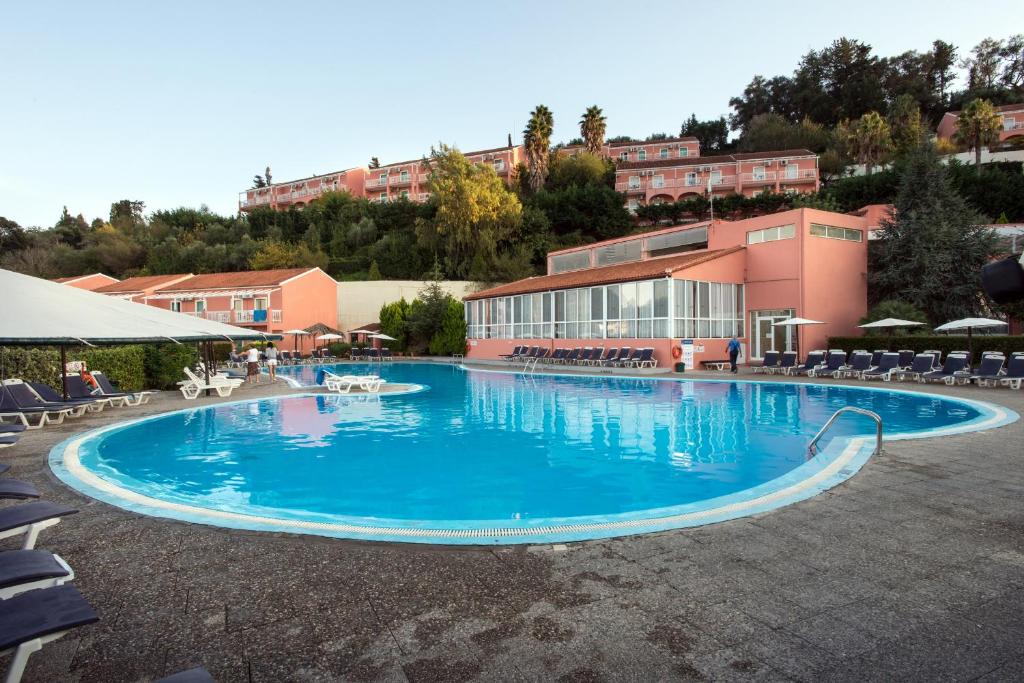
{"points": [[811, 447]]}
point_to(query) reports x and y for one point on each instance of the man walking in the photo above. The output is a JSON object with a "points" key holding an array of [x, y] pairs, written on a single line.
{"points": [[734, 353]]}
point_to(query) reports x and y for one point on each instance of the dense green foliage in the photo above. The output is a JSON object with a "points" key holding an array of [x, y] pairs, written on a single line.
{"points": [[900, 310], [163, 364], [434, 323], [124, 365], [930, 253], [450, 338], [920, 343]]}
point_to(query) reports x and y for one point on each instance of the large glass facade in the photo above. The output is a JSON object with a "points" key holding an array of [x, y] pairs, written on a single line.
{"points": [[648, 309]]}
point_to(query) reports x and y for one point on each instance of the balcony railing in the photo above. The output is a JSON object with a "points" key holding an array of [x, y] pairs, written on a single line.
{"points": [[766, 177], [376, 183], [1016, 125], [219, 316], [806, 174]]}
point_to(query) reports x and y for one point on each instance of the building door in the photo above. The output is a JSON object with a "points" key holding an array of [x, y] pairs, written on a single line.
{"points": [[768, 337]]}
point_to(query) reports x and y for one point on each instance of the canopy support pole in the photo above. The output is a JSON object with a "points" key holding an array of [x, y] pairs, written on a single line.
{"points": [[64, 371]]}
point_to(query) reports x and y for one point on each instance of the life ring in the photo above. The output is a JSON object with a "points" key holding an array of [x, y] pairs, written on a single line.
{"points": [[677, 352]]}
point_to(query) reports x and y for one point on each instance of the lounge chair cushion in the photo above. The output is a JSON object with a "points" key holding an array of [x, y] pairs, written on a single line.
{"points": [[24, 566], [12, 428], [30, 513], [197, 675], [38, 613], [8, 440], [12, 488]]}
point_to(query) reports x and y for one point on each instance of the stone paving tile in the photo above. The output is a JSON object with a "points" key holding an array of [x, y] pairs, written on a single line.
{"points": [[913, 569]]}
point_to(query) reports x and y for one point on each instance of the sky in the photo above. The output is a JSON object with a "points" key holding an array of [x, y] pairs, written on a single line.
{"points": [[181, 103]]}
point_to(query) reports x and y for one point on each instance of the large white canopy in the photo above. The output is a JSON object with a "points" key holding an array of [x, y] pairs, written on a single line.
{"points": [[36, 311]]}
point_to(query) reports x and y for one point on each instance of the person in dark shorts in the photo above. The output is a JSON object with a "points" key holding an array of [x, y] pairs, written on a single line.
{"points": [[252, 358], [734, 352]]}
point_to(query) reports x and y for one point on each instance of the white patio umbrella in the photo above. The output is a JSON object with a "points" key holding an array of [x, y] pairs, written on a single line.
{"points": [[330, 336], [296, 333], [383, 337], [889, 324], [797, 323], [969, 324]]}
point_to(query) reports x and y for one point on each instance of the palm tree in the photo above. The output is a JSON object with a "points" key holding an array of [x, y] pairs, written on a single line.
{"points": [[868, 139], [978, 125], [537, 141], [592, 127]]}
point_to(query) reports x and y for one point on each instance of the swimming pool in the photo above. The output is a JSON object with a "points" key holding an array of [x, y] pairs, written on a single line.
{"points": [[497, 457]]}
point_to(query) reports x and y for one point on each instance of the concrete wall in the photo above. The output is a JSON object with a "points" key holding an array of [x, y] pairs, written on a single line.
{"points": [[359, 303]]}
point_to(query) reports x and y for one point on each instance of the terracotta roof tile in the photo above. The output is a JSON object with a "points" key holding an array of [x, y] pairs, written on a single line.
{"points": [[622, 272], [1002, 107], [139, 284], [247, 278], [82, 277]]}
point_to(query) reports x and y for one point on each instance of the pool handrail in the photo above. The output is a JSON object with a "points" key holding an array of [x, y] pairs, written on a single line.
{"points": [[835, 416]]}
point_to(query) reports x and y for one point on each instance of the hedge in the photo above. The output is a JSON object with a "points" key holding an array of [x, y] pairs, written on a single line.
{"points": [[918, 343], [164, 364], [124, 365]]}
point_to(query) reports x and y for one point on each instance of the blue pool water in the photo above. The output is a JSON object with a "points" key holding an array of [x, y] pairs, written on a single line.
{"points": [[491, 449]]}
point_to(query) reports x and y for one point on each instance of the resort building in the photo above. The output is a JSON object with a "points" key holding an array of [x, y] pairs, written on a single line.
{"points": [[300, 192], [651, 150], [264, 300], [703, 282], [672, 179], [1012, 116], [138, 288], [90, 282]]}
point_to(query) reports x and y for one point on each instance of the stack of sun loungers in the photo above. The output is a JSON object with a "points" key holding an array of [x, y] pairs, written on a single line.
{"points": [[994, 369], [343, 384], [587, 356], [34, 405]]}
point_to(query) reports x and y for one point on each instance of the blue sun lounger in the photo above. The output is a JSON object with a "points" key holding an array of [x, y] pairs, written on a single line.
{"points": [[26, 570], [954, 370], [888, 364], [10, 409], [859, 364], [197, 675], [107, 390], [32, 619], [770, 361], [836, 362], [29, 519], [13, 489], [990, 371], [1014, 372], [923, 363]]}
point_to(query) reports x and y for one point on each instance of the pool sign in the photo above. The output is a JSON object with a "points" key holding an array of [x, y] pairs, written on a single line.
{"points": [[687, 355]]}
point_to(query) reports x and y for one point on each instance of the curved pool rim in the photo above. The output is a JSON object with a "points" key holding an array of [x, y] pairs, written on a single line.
{"points": [[838, 461]]}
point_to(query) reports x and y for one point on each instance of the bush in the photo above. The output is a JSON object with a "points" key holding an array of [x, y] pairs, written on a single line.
{"points": [[122, 364], [451, 338], [339, 349], [164, 363], [918, 343], [221, 351]]}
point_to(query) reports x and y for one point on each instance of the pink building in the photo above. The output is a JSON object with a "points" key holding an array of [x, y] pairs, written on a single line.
{"points": [[138, 288], [668, 180], [1012, 116], [705, 281], [298, 193], [636, 150], [90, 282], [265, 300]]}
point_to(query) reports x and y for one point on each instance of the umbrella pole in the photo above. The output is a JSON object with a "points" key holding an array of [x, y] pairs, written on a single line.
{"points": [[63, 371], [970, 347]]}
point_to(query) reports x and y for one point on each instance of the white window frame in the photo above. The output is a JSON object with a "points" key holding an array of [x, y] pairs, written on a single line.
{"points": [[176, 305], [663, 153], [691, 179], [684, 151], [641, 155], [634, 182], [658, 181], [758, 173], [403, 176], [792, 171], [623, 156]]}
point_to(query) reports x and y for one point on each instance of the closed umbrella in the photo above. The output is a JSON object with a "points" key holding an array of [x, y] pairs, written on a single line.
{"points": [[969, 324], [889, 324], [797, 323]]}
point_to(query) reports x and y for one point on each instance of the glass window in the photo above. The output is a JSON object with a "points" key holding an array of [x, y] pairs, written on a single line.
{"points": [[597, 303], [683, 151], [661, 298], [623, 156], [836, 233], [634, 182], [663, 153], [612, 292], [678, 242], [644, 299], [570, 305], [583, 305], [621, 252], [627, 301], [641, 155], [576, 260], [782, 232]]}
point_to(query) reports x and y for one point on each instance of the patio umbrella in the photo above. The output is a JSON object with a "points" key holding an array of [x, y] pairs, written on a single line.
{"points": [[797, 323], [889, 324], [383, 337], [296, 334], [329, 337], [969, 324]]}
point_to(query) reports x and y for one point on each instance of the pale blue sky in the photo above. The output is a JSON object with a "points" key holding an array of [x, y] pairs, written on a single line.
{"points": [[180, 103]]}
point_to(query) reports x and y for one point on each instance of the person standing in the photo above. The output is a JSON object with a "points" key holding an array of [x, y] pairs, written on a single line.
{"points": [[734, 353], [271, 352], [252, 358]]}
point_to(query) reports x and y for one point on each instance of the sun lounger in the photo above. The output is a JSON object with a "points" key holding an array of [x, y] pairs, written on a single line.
{"points": [[887, 364], [107, 389], [647, 359], [610, 355], [79, 390], [26, 570], [31, 518], [906, 358], [12, 428], [922, 363], [595, 356], [954, 370], [1014, 375], [835, 363], [814, 360], [990, 371], [342, 384], [24, 397], [191, 387], [786, 363], [860, 362], [31, 620], [770, 360], [11, 410], [12, 489], [47, 393]]}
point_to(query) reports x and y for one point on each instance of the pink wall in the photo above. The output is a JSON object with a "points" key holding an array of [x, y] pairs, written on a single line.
{"points": [[309, 299]]}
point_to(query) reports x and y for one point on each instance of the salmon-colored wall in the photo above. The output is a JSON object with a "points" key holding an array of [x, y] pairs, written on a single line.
{"points": [[306, 300]]}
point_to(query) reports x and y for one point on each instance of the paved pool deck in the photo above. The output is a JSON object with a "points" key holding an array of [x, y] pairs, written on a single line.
{"points": [[911, 570]]}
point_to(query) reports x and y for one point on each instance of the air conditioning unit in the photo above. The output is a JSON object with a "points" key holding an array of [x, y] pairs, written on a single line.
{"points": [[767, 163], [783, 163]]}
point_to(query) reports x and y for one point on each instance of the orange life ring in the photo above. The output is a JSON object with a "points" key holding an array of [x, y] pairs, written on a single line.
{"points": [[677, 352]]}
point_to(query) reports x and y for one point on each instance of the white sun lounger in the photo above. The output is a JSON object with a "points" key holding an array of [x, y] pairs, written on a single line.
{"points": [[191, 387], [342, 384]]}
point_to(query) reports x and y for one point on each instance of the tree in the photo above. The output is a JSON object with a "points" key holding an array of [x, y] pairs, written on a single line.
{"points": [[941, 61], [374, 272], [1012, 74], [537, 141], [712, 135], [266, 174], [273, 254], [868, 139], [582, 169], [905, 123], [894, 308], [374, 162], [258, 181], [768, 132], [70, 230], [127, 214], [450, 338], [393, 322], [426, 314], [12, 236], [930, 253], [592, 128], [983, 64], [476, 214], [655, 137], [978, 125]]}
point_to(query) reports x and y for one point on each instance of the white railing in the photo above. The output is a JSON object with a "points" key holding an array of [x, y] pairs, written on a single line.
{"points": [[243, 316], [219, 316], [1016, 125], [766, 177], [377, 182], [275, 316]]}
